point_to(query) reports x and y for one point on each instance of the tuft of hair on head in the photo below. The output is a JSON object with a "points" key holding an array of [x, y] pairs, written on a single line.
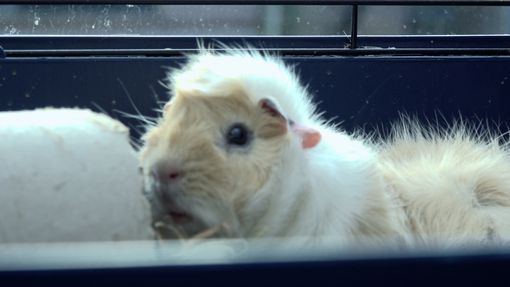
{"points": [[258, 73]]}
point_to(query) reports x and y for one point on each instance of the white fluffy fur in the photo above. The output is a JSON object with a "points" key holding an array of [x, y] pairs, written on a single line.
{"points": [[309, 194], [413, 188], [315, 192], [261, 76]]}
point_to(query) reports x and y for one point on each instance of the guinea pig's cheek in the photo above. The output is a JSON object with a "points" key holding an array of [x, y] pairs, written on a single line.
{"points": [[247, 183]]}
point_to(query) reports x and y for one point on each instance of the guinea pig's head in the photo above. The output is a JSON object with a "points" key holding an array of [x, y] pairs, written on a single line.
{"points": [[224, 135], [209, 153]]}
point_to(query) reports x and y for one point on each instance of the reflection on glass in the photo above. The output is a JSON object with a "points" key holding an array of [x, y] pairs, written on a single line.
{"points": [[174, 20], [433, 20], [249, 20]]}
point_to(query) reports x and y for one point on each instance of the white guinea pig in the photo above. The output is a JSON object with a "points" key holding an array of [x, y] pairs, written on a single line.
{"points": [[241, 145]]}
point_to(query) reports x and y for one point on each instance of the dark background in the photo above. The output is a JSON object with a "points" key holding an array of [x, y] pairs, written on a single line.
{"points": [[360, 92]]}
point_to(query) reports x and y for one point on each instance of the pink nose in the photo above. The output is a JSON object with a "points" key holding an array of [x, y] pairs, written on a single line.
{"points": [[173, 175], [165, 172]]}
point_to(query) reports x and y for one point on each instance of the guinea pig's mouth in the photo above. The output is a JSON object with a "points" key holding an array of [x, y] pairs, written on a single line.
{"points": [[179, 217], [177, 214]]}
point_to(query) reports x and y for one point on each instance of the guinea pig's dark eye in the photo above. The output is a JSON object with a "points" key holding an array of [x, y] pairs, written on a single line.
{"points": [[238, 134]]}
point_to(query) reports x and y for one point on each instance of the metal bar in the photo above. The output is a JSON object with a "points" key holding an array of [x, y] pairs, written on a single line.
{"points": [[269, 2], [283, 51], [62, 42], [354, 27], [157, 43]]}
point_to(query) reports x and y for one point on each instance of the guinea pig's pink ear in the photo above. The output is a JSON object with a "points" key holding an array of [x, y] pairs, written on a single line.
{"points": [[275, 124], [309, 136], [270, 107]]}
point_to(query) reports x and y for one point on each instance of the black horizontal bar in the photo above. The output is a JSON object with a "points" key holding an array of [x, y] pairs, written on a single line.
{"points": [[158, 43], [145, 42], [268, 2], [294, 51]]}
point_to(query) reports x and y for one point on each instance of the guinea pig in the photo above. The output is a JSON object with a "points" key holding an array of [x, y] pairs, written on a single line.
{"points": [[240, 144]]}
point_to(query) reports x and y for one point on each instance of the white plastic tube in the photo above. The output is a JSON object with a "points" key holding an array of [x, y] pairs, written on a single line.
{"points": [[69, 175]]}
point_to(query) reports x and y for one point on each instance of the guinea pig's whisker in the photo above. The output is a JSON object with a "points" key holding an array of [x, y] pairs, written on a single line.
{"points": [[136, 143], [137, 131], [158, 110], [97, 106], [154, 94], [151, 121], [164, 85], [128, 95]]}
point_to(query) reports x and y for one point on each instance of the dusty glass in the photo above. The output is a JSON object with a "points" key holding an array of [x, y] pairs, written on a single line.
{"points": [[433, 20], [174, 20]]}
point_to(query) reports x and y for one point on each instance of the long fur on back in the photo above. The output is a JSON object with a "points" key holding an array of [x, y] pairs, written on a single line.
{"points": [[451, 183]]}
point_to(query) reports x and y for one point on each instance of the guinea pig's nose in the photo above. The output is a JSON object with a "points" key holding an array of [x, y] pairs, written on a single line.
{"points": [[168, 173], [173, 175]]}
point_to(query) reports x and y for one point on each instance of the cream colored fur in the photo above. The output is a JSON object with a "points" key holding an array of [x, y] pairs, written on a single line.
{"points": [[451, 185], [418, 188]]}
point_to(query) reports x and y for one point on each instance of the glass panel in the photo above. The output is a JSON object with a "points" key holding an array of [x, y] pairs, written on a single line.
{"points": [[174, 20], [433, 20]]}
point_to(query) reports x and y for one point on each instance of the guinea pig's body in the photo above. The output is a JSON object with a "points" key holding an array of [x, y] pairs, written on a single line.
{"points": [[241, 145]]}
